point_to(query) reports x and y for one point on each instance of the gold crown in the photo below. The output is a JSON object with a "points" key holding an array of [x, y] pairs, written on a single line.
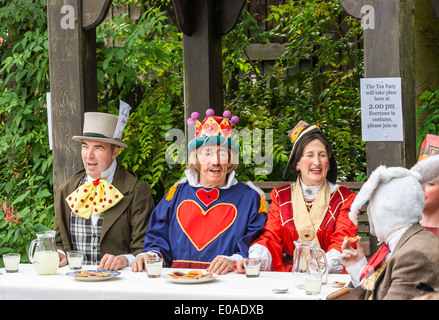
{"points": [[213, 125]]}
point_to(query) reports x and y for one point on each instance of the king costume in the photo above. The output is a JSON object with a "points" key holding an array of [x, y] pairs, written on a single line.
{"points": [[192, 225]]}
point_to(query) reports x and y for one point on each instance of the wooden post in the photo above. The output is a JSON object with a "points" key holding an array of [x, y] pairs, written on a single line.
{"points": [[427, 55], [435, 5], [389, 51], [73, 79], [203, 22]]}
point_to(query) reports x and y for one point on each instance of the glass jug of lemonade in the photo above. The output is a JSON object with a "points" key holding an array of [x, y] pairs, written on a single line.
{"points": [[45, 258]]}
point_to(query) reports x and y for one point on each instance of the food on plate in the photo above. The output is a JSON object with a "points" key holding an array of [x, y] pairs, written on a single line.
{"points": [[191, 275], [88, 274], [338, 283], [176, 274], [353, 239]]}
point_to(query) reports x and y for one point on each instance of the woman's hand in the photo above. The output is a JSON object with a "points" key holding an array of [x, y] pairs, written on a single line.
{"points": [[240, 266]]}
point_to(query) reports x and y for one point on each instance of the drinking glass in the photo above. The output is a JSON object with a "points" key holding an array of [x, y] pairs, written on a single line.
{"points": [[11, 262], [252, 267]]}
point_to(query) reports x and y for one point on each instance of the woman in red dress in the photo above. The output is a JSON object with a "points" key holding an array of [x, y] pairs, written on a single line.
{"points": [[314, 208]]}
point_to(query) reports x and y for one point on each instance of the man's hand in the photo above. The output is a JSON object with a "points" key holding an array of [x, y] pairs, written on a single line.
{"points": [[113, 263], [220, 265], [139, 264], [62, 259], [349, 255]]}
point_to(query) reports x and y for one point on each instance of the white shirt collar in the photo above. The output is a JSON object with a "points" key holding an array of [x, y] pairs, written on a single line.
{"points": [[393, 239], [310, 192], [192, 178], [107, 174]]}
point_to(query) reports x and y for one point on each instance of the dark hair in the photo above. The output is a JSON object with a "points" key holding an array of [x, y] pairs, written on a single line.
{"points": [[303, 143]]}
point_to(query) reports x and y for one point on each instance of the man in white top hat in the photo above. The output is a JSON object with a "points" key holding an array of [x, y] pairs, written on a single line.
{"points": [[103, 210]]}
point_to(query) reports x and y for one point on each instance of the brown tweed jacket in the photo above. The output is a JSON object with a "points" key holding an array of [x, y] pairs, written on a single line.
{"points": [[124, 225], [415, 259]]}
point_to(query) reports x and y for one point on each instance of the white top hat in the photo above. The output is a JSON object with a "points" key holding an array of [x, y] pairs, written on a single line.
{"points": [[100, 126]]}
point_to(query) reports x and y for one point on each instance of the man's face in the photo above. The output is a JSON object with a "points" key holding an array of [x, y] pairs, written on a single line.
{"points": [[97, 156], [213, 161]]}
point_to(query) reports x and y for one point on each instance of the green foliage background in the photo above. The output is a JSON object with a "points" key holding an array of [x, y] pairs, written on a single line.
{"points": [[141, 61]]}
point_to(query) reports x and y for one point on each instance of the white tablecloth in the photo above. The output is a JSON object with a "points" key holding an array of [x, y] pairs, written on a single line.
{"points": [[27, 284]]}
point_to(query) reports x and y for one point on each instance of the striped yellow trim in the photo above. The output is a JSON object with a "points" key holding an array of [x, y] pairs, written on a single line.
{"points": [[190, 261], [171, 192]]}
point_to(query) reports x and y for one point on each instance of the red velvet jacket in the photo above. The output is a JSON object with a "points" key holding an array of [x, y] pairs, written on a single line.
{"points": [[280, 232]]}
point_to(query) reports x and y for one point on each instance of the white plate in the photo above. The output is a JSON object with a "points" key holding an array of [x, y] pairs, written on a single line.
{"points": [[191, 281], [280, 290], [113, 274], [335, 285]]}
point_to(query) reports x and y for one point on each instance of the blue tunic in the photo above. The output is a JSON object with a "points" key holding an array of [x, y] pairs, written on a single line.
{"points": [[198, 224]]}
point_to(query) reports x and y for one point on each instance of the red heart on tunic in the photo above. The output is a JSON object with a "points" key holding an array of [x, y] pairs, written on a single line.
{"points": [[202, 227], [207, 197]]}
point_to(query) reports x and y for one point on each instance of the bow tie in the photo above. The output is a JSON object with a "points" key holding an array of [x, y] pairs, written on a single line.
{"points": [[375, 261], [93, 197]]}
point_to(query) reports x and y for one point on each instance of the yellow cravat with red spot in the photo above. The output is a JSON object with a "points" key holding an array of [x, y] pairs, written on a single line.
{"points": [[93, 197]]}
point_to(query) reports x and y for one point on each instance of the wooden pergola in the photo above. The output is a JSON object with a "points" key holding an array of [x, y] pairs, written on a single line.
{"points": [[73, 77]]}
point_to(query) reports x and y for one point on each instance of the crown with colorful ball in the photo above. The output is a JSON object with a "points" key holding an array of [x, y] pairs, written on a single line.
{"points": [[213, 129]]}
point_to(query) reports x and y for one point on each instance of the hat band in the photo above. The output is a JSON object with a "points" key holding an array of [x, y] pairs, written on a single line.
{"points": [[95, 135]]}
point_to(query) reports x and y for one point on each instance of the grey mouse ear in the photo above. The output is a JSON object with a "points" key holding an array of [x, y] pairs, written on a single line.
{"points": [[381, 175], [366, 192], [428, 169]]}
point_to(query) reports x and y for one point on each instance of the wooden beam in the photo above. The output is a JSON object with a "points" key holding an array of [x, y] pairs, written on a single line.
{"points": [[73, 76], [435, 5], [266, 51], [203, 22], [202, 61], [389, 52], [427, 55], [184, 16], [353, 7], [228, 14], [94, 12], [66, 86]]}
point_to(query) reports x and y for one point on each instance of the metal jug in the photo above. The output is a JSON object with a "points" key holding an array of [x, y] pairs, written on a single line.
{"points": [[306, 262], [45, 258]]}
